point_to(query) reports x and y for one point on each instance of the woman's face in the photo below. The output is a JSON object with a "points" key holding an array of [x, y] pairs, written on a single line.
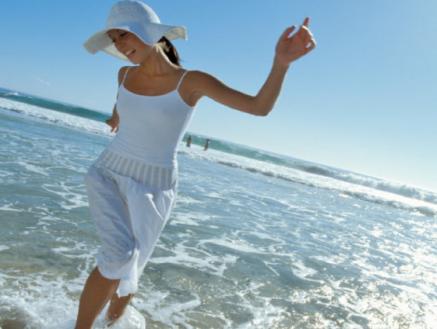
{"points": [[130, 45]]}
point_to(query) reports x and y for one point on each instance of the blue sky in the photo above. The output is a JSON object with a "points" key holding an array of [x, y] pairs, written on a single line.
{"points": [[364, 100]]}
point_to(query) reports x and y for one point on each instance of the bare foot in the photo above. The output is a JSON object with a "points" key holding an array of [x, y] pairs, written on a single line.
{"points": [[117, 307]]}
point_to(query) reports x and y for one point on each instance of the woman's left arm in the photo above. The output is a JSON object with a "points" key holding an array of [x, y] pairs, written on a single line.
{"points": [[288, 49]]}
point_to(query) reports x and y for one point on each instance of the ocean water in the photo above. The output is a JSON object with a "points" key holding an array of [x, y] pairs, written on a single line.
{"points": [[256, 240]]}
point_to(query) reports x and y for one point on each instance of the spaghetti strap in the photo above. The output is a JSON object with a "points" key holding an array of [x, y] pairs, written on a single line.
{"points": [[124, 77], [122, 83], [180, 80]]}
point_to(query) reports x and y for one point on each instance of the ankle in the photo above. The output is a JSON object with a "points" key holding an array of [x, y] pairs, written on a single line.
{"points": [[117, 307]]}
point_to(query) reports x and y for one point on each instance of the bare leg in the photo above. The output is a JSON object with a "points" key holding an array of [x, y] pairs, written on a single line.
{"points": [[96, 293], [117, 307]]}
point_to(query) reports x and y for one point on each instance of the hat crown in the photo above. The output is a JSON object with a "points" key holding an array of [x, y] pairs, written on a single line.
{"points": [[131, 11]]}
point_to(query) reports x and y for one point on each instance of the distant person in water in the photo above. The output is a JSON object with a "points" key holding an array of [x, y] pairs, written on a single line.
{"points": [[206, 144], [189, 141], [132, 185]]}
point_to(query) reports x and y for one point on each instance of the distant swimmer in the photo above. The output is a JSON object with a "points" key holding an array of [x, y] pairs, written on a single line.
{"points": [[206, 144], [189, 141]]}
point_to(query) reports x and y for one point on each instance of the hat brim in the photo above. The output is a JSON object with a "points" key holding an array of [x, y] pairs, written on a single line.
{"points": [[149, 33]]}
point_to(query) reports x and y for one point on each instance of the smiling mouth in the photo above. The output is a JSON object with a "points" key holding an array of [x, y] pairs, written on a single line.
{"points": [[130, 52]]}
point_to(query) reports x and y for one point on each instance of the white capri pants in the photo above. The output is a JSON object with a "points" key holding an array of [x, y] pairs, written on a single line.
{"points": [[130, 202]]}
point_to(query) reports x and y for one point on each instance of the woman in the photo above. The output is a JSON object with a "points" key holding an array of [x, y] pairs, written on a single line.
{"points": [[132, 186]]}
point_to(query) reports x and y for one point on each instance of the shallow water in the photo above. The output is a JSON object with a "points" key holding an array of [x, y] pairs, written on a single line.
{"points": [[242, 249]]}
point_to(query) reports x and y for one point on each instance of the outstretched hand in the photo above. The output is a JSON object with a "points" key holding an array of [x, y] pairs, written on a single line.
{"points": [[290, 48]]}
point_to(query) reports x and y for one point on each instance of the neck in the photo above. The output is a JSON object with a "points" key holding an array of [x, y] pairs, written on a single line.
{"points": [[156, 63]]}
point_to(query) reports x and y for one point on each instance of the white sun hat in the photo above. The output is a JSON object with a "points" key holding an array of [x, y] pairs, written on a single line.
{"points": [[138, 18]]}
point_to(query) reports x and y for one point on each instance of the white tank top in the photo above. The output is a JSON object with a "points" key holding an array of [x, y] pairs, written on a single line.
{"points": [[151, 127]]}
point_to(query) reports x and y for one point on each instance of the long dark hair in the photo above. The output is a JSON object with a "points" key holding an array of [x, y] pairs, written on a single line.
{"points": [[170, 51]]}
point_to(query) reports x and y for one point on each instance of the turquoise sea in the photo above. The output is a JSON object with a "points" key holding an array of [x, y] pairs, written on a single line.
{"points": [[256, 239]]}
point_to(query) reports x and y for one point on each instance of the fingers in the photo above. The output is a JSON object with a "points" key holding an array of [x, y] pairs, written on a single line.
{"points": [[114, 127], [305, 30], [309, 40], [304, 27], [287, 32], [305, 34], [113, 123], [310, 45]]}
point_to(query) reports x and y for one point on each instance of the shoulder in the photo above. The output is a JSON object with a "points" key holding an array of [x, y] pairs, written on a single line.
{"points": [[121, 72], [200, 80], [192, 86], [199, 76]]}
